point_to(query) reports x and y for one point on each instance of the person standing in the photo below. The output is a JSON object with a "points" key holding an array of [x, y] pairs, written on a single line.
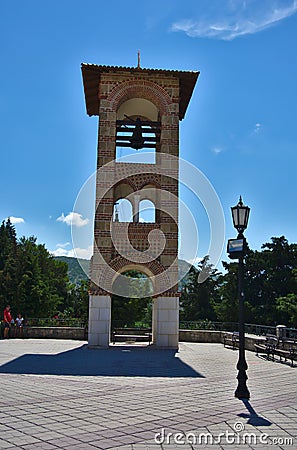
{"points": [[19, 323], [7, 321]]}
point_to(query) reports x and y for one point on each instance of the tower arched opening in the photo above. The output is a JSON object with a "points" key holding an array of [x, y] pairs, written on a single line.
{"points": [[134, 310], [138, 131]]}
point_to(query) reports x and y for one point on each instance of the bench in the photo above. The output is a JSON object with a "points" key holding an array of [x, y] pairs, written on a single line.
{"points": [[287, 349], [131, 334], [232, 340], [283, 348], [267, 346]]}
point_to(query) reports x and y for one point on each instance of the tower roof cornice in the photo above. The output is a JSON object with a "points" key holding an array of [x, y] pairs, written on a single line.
{"points": [[92, 73]]}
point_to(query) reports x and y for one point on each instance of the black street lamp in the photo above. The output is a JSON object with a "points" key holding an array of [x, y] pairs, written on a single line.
{"points": [[237, 250]]}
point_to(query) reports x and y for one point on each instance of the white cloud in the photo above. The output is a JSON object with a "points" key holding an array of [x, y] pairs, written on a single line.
{"points": [[257, 128], [217, 150], [234, 18], [15, 220], [84, 253], [74, 219], [63, 245], [60, 252]]}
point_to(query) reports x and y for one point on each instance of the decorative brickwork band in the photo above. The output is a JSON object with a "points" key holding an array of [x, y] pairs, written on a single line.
{"points": [[139, 89]]}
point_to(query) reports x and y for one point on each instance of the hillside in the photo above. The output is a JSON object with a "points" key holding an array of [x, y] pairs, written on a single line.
{"points": [[79, 268]]}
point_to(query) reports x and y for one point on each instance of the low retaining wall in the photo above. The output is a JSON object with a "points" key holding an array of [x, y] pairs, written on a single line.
{"points": [[210, 336], [250, 341], [76, 333], [201, 336]]}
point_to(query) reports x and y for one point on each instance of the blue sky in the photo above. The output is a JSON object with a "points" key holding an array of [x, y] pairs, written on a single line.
{"points": [[240, 129]]}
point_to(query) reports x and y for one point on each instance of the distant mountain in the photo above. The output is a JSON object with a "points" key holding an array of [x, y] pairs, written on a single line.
{"points": [[78, 269]]}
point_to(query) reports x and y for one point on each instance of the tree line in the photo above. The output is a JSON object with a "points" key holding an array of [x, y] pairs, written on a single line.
{"points": [[35, 284], [270, 285]]}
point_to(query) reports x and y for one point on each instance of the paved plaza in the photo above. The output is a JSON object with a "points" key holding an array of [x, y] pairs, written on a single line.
{"points": [[60, 394]]}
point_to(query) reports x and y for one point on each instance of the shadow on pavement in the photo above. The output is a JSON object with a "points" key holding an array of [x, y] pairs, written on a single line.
{"points": [[253, 418], [117, 361]]}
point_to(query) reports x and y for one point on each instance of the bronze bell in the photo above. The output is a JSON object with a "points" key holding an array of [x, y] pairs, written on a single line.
{"points": [[137, 141]]}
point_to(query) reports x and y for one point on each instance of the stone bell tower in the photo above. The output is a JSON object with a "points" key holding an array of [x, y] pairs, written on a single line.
{"points": [[140, 109]]}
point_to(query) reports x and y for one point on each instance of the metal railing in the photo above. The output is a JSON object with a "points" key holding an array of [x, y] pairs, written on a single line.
{"points": [[291, 333], [121, 324], [54, 322], [208, 325], [250, 328], [260, 330]]}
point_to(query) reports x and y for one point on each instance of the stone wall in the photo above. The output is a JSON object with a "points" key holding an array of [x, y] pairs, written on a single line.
{"points": [[202, 336], [76, 333], [210, 336]]}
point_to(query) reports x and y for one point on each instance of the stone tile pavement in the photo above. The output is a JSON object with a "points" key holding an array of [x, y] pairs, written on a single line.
{"points": [[59, 394]]}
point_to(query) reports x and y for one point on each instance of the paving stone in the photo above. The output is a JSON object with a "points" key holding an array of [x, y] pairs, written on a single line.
{"points": [[39, 446], [121, 400], [6, 444]]}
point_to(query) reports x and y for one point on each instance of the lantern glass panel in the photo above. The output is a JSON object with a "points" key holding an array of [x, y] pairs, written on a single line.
{"points": [[247, 214], [235, 216], [241, 217]]}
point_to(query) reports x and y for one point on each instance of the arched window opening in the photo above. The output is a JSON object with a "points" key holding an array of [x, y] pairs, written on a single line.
{"points": [[147, 211], [123, 211]]}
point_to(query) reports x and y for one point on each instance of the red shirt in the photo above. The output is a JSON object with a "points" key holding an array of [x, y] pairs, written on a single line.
{"points": [[7, 316]]}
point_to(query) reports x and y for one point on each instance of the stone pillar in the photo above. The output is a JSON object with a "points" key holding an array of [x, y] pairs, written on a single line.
{"points": [[99, 320], [281, 331], [167, 322], [154, 321], [136, 200]]}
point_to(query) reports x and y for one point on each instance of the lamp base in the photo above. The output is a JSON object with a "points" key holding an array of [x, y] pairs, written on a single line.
{"points": [[242, 391], [242, 394]]}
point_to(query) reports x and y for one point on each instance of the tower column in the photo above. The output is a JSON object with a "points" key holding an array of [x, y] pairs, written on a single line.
{"points": [[99, 320], [167, 322], [136, 201]]}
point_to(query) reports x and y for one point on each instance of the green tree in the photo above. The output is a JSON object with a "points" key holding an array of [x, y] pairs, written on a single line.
{"points": [[128, 311], [78, 300], [225, 304], [271, 275], [198, 298], [270, 284], [31, 280], [43, 280], [9, 258], [287, 309], [287, 305]]}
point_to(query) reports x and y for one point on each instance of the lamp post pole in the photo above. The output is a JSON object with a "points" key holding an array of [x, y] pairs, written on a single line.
{"points": [[237, 249], [242, 391]]}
